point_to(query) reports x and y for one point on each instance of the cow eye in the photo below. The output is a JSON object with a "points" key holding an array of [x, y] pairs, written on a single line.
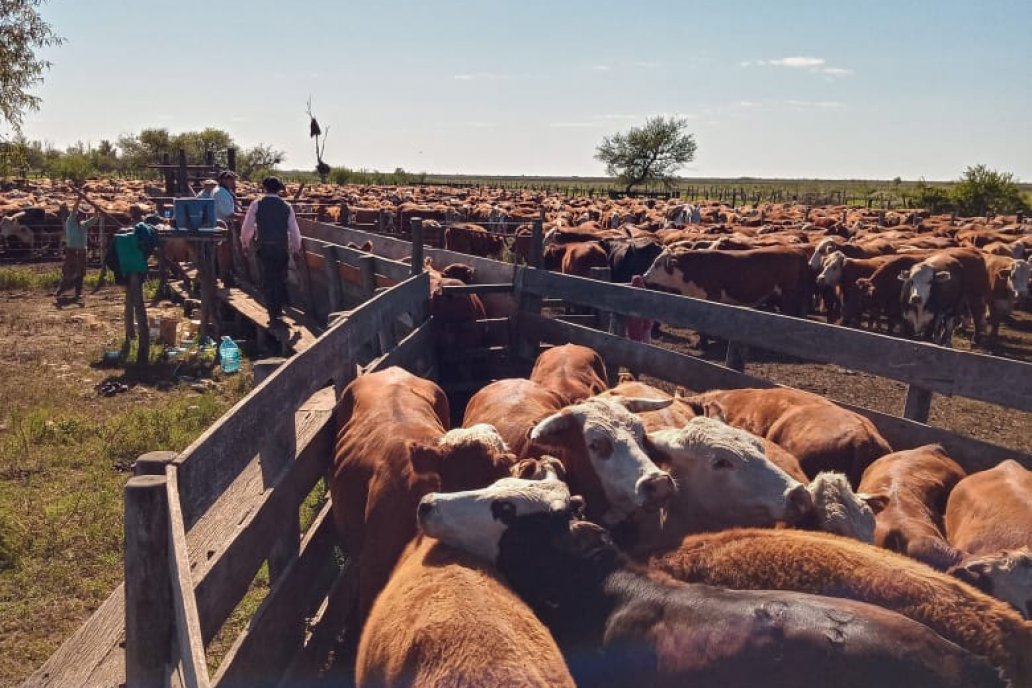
{"points": [[503, 510], [722, 464]]}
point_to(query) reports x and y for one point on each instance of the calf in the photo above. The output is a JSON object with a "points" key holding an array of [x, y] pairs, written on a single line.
{"points": [[821, 434], [915, 483], [619, 625], [821, 564], [447, 618], [574, 372], [1009, 285], [938, 289], [989, 516], [392, 449]]}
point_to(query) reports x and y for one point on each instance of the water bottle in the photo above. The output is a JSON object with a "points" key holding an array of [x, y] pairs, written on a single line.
{"points": [[229, 355]]}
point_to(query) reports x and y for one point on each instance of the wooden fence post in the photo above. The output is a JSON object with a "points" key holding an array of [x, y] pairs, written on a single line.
{"points": [[608, 322], [918, 404], [417, 245], [231, 158], [537, 245], [734, 358], [367, 268], [183, 182], [148, 594], [153, 463], [333, 290]]}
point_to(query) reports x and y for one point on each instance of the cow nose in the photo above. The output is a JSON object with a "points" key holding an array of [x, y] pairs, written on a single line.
{"points": [[656, 489], [799, 503], [915, 299], [426, 507]]}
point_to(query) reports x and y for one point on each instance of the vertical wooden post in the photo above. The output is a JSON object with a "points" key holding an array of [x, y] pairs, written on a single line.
{"points": [[417, 245], [153, 463], [209, 159], [333, 290], [170, 177], [607, 322], [734, 358], [918, 404], [183, 183], [231, 159], [537, 245], [367, 269], [102, 248], [148, 598]]}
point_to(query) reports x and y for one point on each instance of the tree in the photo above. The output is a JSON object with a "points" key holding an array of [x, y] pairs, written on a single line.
{"points": [[981, 190], [650, 153], [22, 33], [258, 160]]}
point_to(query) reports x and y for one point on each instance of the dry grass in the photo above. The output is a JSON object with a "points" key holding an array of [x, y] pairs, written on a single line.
{"points": [[64, 458]]}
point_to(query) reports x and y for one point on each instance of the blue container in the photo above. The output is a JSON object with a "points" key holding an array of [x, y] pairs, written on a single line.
{"points": [[194, 213], [229, 355]]}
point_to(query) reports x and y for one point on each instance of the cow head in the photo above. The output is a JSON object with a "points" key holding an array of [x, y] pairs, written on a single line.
{"points": [[1017, 277], [831, 271], [462, 459], [1006, 575], [475, 520], [838, 509], [664, 271], [917, 283], [725, 479], [824, 247], [602, 441]]}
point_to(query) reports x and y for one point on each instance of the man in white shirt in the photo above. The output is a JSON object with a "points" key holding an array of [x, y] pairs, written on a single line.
{"points": [[271, 224]]}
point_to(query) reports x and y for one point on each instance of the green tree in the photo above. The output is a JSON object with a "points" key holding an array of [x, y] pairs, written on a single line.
{"points": [[982, 190], [145, 148], [197, 143], [647, 154], [22, 33], [257, 161]]}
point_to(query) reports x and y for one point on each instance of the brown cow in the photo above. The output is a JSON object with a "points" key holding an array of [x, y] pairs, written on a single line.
{"points": [[880, 292], [574, 372], [575, 258], [472, 239], [447, 618], [749, 278], [938, 289], [1009, 285], [619, 625], [391, 450], [822, 564], [916, 483], [989, 516], [821, 434]]}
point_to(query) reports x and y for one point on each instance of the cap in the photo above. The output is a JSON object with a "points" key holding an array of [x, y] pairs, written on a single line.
{"points": [[209, 182], [227, 174]]}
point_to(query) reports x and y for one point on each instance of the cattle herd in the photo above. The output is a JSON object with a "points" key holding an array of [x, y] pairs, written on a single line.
{"points": [[573, 534], [908, 271]]}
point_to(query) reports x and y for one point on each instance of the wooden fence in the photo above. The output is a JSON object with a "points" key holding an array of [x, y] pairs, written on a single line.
{"points": [[199, 525]]}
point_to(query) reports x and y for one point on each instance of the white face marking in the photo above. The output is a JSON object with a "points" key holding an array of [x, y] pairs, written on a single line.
{"points": [[839, 510], [1021, 273], [831, 272], [822, 249], [665, 273], [921, 278], [483, 433], [1011, 576], [724, 478], [475, 520], [613, 438]]}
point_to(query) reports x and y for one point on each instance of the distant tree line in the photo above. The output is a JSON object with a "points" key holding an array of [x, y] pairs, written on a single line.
{"points": [[979, 190], [131, 155]]}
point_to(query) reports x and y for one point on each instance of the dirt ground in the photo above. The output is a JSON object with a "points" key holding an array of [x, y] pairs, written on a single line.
{"points": [[65, 454], [1001, 426]]}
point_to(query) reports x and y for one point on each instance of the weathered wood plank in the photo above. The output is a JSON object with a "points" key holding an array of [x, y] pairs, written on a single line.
{"points": [[486, 288], [699, 375], [986, 378], [188, 628], [918, 404], [262, 652], [223, 580], [214, 460], [409, 350]]}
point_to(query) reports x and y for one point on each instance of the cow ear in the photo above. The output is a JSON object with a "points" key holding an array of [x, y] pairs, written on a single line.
{"points": [[715, 410], [942, 276], [639, 405], [549, 430], [625, 376], [424, 458], [975, 575], [877, 502]]}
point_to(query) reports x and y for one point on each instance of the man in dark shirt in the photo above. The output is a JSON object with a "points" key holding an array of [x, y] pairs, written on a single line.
{"points": [[271, 224]]}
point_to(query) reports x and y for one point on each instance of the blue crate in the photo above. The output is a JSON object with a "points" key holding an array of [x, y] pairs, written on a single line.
{"points": [[194, 213]]}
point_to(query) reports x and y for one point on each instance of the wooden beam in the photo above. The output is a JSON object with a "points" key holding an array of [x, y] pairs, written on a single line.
{"points": [[918, 404], [501, 288], [947, 371], [188, 627]]}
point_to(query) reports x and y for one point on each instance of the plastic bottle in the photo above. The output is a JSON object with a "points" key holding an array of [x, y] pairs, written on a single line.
{"points": [[229, 355]]}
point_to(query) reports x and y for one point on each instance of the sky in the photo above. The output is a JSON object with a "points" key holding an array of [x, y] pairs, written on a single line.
{"points": [[789, 89]]}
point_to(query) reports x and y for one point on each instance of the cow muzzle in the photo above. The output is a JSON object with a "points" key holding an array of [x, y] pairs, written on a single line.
{"points": [[655, 490], [914, 300]]}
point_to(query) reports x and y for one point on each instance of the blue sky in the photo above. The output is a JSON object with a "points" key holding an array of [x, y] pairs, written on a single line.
{"points": [[865, 89]]}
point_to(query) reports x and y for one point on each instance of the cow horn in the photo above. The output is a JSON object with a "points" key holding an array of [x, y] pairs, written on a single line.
{"points": [[640, 405]]}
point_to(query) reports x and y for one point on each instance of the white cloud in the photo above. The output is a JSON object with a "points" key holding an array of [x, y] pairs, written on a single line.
{"points": [[647, 64], [464, 77], [480, 125], [835, 72], [814, 104], [601, 68], [797, 62], [572, 125], [799, 104]]}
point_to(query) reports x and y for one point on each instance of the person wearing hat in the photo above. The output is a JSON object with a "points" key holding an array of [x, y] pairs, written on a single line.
{"points": [[225, 196], [208, 189], [271, 225]]}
